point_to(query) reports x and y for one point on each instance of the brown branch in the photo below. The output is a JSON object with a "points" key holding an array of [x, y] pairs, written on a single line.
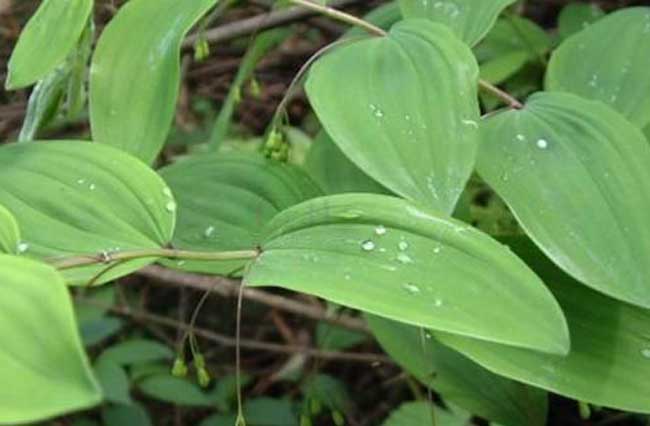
{"points": [[258, 23], [230, 288], [245, 343]]}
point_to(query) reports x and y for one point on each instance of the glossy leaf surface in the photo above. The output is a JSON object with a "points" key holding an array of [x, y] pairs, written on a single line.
{"points": [[43, 368], [381, 254], [470, 20], [135, 74], [414, 134], [73, 198], [622, 80], [610, 348], [575, 174], [457, 378], [224, 201], [51, 33]]}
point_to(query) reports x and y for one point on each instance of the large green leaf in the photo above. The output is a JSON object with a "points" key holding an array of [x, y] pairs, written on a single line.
{"points": [[622, 80], [609, 361], [575, 174], [470, 20], [46, 40], [414, 133], [43, 369], [224, 201], [381, 254], [9, 233], [458, 379], [73, 198], [135, 73], [334, 172]]}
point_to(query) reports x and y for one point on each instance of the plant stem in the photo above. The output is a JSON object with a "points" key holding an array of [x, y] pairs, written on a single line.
{"points": [[372, 29], [110, 257], [504, 96], [341, 16]]}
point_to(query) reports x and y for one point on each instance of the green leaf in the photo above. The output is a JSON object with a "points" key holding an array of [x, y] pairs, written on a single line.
{"points": [[458, 379], [113, 380], [609, 361], [422, 414], [575, 17], [44, 103], [260, 46], [470, 20], [327, 391], [121, 415], [164, 387], [513, 42], [9, 232], [46, 40], [97, 330], [379, 254], [334, 172], [44, 371], [382, 115], [73, 198], [575, 174], [622, 80], [136, 351], [135, 73], [224, 201]]}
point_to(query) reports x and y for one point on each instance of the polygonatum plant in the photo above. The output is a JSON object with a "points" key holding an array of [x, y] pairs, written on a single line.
{"points": [[376, 219]]}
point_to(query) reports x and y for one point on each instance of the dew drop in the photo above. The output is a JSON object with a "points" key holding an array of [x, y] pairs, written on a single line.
{"points": [[170, 207], [437, 250], [542, 144], [167, 192], [368, 245], [209, 231], [81, 181], [471, 123], [403, 245], [645, 352], [411, 288], [380, 230], [404, 258], [437, 303], [22, 247], [92, 187], [521, 137]]}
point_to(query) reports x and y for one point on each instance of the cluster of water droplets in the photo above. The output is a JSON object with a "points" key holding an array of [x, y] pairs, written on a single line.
{"points": [[91, 185]]}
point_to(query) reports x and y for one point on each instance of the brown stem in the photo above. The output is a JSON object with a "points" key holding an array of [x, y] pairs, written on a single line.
{"points": [[230, 288]]}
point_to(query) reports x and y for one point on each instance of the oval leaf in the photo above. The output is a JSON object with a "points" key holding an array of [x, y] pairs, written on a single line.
{"points": [[575, 174], [379, 254], [135, 73], [73, 198], [46, 40], [470, 20], [458, 379], [224, 201], [44, 370], [415, 134], [622, 81], [609, 361], [9, 233]]}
